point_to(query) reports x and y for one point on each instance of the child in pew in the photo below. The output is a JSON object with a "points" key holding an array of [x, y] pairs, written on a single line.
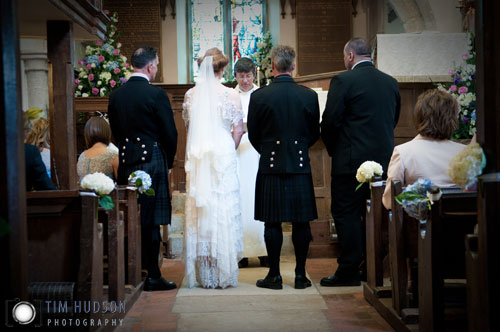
{"points": [[429, 154], [98, 157]]}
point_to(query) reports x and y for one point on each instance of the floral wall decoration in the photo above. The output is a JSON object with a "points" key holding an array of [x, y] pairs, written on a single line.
{"points": [[104, 68], [463, 89]]}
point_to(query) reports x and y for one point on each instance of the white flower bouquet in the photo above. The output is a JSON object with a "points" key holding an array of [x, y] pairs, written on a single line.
{"points": [[367, 171], [142, 181], [466, 166], [103, 185]]}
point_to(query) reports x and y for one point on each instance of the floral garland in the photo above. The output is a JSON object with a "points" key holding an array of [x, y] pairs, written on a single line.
{"points": [[104, 68], [463, 89], [263, 58]]}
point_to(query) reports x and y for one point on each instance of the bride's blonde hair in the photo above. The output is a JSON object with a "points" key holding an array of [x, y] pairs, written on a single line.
{"points": [[219, 60]]}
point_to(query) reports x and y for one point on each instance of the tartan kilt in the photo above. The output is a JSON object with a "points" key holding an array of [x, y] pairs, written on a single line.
{"points": [[285, 198], [155, 210]]}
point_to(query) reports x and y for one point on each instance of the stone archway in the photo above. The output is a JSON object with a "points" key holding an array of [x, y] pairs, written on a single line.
{"points": [[416, 15]]}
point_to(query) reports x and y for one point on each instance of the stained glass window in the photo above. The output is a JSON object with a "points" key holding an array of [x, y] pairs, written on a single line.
{"points": [[230, 25]]}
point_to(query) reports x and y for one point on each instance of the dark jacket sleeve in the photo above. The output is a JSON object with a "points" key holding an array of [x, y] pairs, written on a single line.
{"points": [[167, 129], [398, 108], [36, 173], [334, 112], [253, 123], [314, 122]]}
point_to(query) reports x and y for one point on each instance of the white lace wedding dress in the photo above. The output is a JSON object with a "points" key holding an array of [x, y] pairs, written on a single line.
{"points": [[213, 228]]}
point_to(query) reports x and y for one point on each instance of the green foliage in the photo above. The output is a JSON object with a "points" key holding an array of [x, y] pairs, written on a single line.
{"points": [[106, 202]]}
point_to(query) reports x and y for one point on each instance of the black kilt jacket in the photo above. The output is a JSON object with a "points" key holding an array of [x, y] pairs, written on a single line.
{"points": [[283, 122], [142, 122]]}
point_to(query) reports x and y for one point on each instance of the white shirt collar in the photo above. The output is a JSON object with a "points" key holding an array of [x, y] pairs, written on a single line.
{"points": [[254, 87], [357, 63], [140, 75]]}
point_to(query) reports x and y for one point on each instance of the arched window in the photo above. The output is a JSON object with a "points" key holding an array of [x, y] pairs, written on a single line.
{"points": [[231, 25]]}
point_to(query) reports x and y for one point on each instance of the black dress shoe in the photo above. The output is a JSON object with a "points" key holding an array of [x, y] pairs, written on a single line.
{"points": [[271, 282], [302, 282], [334, 281], [264, 261], [243, 263], [159, 284]]}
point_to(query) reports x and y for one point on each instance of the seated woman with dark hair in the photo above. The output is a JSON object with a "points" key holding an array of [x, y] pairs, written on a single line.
{"points": [[429, 154], [98, 157]]}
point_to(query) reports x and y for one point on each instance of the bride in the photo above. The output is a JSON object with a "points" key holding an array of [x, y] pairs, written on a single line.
{"points": [[213, 227]]}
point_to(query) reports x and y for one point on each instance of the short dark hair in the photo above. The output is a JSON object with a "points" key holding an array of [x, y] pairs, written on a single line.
{"points": [[142, 56], [283, 57], [358, 46], [436, 114], [245, 65], [97, 130]]}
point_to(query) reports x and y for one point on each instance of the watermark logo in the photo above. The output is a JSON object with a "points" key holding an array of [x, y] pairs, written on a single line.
{"points": [[23, 313]]}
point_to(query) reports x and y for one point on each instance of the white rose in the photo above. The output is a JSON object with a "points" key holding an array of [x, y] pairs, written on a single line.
{"points": [[85, 94], [80, 87], [82, 74], [102, 92], [368, 170], [78, 93], [93, 65]]}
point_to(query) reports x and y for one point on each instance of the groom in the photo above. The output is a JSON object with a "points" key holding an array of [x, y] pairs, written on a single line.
{"points": [[283, 122]]}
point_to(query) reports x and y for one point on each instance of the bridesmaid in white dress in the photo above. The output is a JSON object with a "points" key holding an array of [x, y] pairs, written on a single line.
{"points": [[248, 160]]}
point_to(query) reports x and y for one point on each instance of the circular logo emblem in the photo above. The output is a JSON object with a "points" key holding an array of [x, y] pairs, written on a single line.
{"points": [[23, 313]]}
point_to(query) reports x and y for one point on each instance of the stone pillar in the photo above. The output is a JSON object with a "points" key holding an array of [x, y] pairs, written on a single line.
{"points": [[34, 56]]}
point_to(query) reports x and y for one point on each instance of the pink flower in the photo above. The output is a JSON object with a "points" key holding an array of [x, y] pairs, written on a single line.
{"points": [[98, 43], [116, 51], [95, 91], [91, 77], [453, 88], [77, 81], [451, 72], [462, 90], [101, 58], [119, 45], [80, 62], [465, 56], [106, 11], [89, 66], [127, 65], [112, 83], [117, 70]]}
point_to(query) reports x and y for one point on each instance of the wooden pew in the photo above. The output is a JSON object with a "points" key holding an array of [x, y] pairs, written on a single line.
{"points": [[376, 238], [64, 245], [441, 252], [127, 200]]}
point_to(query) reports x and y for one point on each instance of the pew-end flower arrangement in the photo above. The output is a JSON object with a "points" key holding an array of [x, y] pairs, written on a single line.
{"points": [[367, 171], [142, 181], [418, 197], [104, 68], [102, 185], [466, 166]]}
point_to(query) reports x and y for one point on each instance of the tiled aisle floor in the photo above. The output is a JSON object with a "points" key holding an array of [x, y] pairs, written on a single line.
{"points": [[248, 308]]}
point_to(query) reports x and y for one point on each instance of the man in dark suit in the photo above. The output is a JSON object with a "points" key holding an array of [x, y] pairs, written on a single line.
{"points": [[358, 123], [283, 122], [142, 123], [36, 173]]}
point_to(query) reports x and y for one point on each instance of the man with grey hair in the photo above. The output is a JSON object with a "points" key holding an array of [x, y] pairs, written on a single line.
{"points": [[283, 122], [362, 109]]}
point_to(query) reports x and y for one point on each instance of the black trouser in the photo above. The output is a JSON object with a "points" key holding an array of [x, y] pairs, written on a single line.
{"points": [[349, 211], [150, 245], [301, 236]]}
